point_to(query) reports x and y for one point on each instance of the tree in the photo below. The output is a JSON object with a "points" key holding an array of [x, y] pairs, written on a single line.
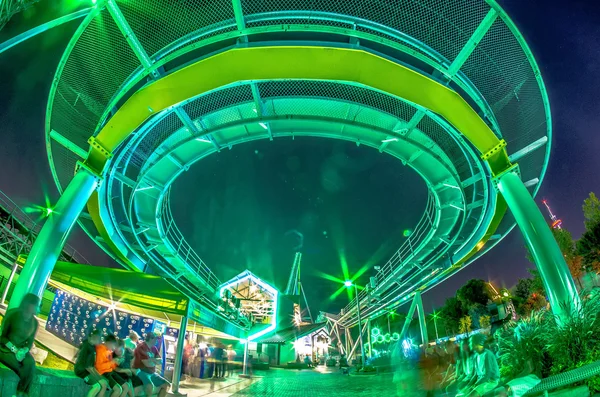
{"points": [[475, 312], [534, 302], [474, 292], [591, 211], [451, 313], [588, 247], [484, 321], [537, 284], [524, 288], [465, 325], [565, 242]]}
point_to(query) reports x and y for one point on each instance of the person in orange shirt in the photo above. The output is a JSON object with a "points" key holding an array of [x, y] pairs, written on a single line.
{"points": [[105, 365]]}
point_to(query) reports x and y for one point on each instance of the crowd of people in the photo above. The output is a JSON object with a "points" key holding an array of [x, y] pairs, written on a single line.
{"points": [[467, 369], [208, 361], [123, 368]]}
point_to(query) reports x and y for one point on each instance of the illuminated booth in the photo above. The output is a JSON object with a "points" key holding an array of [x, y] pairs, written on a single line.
{"points": [[255, 301]]}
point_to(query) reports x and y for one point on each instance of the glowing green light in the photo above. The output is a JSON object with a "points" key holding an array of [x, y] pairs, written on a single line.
{"points": [[348, 283], [435, 315], [407, 232], [49, 211], [375, 332]]}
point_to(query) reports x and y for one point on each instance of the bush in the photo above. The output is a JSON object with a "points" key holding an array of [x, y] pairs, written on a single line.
{"points": [[553, 347], [575, 341], [523, 341]]}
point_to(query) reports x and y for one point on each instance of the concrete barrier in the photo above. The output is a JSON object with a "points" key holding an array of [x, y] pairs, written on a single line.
{"points": [[47, 383]]}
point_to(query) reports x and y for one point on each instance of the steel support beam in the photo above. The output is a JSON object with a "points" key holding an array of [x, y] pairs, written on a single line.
{"points": [[560, 287], [68, 144], [52, 238], [528, 149], [177, 369], [42, 28], [422, 322], [409, 317], [131, 38], [474, 40]]}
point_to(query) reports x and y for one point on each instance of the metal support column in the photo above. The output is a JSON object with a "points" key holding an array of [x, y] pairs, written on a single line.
{"points": [[549, 260], [369, 338], [360, 331], [52, 238], [10, 279], [177, 369], [422, 322], [409, 317], [245, 364]]}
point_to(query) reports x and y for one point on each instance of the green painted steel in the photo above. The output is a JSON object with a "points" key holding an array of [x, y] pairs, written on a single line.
{"points": [[560, 287], [422, 321], [53, 236]]}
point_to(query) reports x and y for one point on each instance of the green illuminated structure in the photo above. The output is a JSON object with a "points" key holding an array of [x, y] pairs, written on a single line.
{"points": [[145, 89]]}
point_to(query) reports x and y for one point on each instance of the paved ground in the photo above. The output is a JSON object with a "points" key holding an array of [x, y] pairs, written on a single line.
{"points": [[214, 388], [312, 383]]}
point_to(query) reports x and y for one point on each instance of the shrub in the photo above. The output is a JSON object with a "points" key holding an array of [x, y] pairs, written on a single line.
{"points": [[574, 342], [523, 341]]}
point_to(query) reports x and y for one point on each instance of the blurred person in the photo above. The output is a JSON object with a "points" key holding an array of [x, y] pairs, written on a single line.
{"points": [[106, 364], [132, 340], [486, 369], [85, 362], [464, 369], [146, 359], [407, 376], [231, 355], [124, 369], [217, 362], [19, 328], [188, 351]]}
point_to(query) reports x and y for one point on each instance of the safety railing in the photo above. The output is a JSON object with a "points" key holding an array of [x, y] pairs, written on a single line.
{"points": [[182, 248], [10, 209], [405, 254]]}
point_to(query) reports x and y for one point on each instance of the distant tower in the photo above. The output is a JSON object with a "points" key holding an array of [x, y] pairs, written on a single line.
{"points": [[556, 223]]}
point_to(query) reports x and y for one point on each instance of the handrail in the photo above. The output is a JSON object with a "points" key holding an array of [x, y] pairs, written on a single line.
{"points": [[182, 248], [34, 228], [404, 254]]}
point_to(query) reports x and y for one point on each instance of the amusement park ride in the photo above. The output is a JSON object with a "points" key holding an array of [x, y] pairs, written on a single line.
{"points": [[145, 90]]}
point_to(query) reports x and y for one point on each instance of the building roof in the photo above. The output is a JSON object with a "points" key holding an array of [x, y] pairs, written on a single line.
{"points": [[290, 334], [141, 290]]}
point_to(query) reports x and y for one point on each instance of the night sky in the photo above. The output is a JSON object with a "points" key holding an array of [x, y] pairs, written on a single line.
{"points": [[347, 201]]}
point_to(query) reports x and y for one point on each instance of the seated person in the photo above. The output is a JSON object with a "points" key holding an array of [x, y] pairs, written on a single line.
{"points": [[85, 365], [486, 369], [146, 359], [464, 369], [106, 364], [132, 340], [124, 369], [18, 333]]}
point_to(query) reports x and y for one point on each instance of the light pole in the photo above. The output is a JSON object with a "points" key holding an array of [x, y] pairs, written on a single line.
{"points": [[435, 316], [349, 284]]}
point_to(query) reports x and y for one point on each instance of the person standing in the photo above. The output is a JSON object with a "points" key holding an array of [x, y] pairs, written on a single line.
{"points": [[19, 328], [146, 359]]}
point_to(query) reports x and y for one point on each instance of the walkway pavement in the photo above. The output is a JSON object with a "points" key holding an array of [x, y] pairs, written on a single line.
{"points": [[318, 383], [214, 387]]}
